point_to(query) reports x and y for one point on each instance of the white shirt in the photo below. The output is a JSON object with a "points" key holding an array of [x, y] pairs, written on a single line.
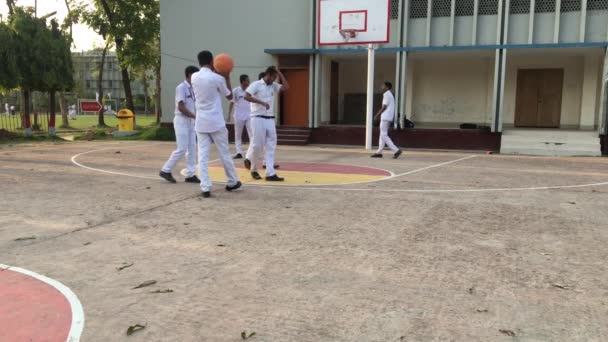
{"points": [[263, 92], [209, 88], [388, 100], [242, 108], [185, 94]]}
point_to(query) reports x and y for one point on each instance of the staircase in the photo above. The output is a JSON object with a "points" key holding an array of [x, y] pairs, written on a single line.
{"points": [[550, 142], [293, 135]]}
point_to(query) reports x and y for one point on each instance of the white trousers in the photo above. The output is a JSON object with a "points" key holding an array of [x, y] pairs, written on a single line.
{"points": [[239, 125], [185, 137], [263, 144], [220, 138], [385, 139]]}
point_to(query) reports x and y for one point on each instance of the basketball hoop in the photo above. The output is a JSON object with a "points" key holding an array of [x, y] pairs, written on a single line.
{"points": [[348, 34]]}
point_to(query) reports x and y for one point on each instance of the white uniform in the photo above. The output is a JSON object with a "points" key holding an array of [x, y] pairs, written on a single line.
{"points": [[209, 88], [386, 120], [263, 126], [242, 118], [185, 136]]}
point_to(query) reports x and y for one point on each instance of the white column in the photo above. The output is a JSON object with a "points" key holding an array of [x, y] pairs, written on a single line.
{"points": [[452, 23], [429, 16], [317, 91], [531, 22], [409, 86], [603, 108], [475, 17], [312, 102], [397, 86], [558, 16], [370, 96], [500, 62], [589, 96], [583, 26], [403, 88]]}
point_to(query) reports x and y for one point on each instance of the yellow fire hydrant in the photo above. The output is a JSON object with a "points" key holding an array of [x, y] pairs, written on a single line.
{"points": [[126, 120]]}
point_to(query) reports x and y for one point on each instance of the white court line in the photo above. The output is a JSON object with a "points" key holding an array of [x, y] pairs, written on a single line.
{"points": [[432, 167], [75, 162], [328, 187], [77, 325]]}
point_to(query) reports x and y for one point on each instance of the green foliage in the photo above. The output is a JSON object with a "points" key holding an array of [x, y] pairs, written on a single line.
{"points": [[36, 57], [9, 74]]}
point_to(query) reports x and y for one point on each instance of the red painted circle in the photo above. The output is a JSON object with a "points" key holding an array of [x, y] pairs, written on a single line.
{"points": [[32, 310]]}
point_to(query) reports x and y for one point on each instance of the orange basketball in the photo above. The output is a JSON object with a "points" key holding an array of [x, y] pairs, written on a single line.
{"points": [[223, 64]]}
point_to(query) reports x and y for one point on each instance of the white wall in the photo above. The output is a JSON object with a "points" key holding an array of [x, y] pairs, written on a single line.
{"points": [[196, 25], [353, 77], [573, 81], [451, 90]]}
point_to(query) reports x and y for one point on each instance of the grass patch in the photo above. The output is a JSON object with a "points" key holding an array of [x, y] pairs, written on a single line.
{"points": [[82, 122], [154, 133], [20, 138]]}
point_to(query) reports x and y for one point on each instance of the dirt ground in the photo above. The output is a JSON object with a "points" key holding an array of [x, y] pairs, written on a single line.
{"points": [[457, 248]]}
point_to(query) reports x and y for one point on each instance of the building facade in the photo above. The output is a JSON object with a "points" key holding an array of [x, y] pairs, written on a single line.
{"points": [[511, 67], [86, 70]]}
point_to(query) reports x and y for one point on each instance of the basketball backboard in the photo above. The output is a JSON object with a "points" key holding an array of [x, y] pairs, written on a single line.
{"points": [[353, 22]]}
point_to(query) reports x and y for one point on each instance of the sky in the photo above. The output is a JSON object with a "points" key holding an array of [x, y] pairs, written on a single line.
{"points": [[84, 37]]}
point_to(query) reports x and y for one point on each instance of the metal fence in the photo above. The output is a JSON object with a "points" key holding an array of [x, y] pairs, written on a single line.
{"points": [[39, 122]]}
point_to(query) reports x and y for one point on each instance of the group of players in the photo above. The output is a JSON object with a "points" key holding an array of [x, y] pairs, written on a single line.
{"points": [[199, 120]]}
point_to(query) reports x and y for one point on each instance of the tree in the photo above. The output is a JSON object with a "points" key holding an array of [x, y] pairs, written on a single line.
{"points": [[100, 115], [63, 105], [58, 76], [9, 73], [131, 25], [29, 39]]}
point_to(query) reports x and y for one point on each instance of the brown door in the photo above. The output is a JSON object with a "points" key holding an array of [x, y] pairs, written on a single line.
{"points": [[335, 81], [539, 98], [295, 100]]}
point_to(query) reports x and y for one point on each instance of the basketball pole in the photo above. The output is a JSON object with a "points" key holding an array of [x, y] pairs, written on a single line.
{"points": [[371, 56]]}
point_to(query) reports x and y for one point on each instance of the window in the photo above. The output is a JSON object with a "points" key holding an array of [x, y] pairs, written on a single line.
{"points": [[597, 5], [395, 9], [519, 6], [442, 8], [465, 7], [544, 6], [571, 5], [488, 7], [418, 8]]}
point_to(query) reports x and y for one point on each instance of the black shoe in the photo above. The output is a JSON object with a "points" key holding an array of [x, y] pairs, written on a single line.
{"points": [[256, 176], [192, 179], [238, 156], [397, 154], [376, 155], [167, 176], [274, 178], [234, 187], [276, 166], [247, 163], [206, 194]]}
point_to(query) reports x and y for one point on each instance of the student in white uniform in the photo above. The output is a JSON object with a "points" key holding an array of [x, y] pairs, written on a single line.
{"points": [[209, 88], [387, 115], [261, 94], [185, 136], [242, 115]]}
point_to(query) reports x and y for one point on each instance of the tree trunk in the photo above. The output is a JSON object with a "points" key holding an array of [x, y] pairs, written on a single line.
{"points": [[126, 83], [25, 112], [52, 105], [159, 111], [101, 122], [63, 106], [144, 80]]}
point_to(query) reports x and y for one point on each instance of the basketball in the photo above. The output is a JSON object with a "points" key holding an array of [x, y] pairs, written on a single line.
{"points": [[223, 64]]}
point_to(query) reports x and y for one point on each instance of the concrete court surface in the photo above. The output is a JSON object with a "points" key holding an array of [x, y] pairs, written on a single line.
{"points": [[435, 246]]}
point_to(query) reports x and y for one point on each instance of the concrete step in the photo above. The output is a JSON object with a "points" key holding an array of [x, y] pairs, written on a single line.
{"points": [[550, 143], [297, 136]]}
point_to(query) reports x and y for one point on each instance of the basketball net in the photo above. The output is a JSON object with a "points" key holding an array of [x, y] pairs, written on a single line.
{"points": [[348, 35]]}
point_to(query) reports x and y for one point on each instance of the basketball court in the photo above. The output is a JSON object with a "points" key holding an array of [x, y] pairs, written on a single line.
{"points": [[435, 246]]}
